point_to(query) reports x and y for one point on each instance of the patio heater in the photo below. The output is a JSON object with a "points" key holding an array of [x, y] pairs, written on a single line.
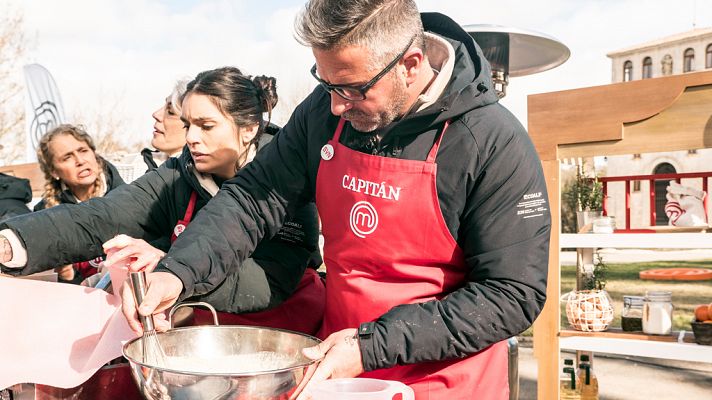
{"points": [[516, 52]]}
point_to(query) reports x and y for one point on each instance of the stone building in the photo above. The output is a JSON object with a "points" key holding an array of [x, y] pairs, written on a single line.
{"points": [[685, 52]]}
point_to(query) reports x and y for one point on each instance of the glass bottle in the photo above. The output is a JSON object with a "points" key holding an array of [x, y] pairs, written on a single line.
{"points": [[632, 314], [657, 313], [568, 387], [587, 381]]}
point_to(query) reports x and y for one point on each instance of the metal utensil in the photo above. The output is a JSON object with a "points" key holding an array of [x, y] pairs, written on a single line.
{"points": [[152, 351]]}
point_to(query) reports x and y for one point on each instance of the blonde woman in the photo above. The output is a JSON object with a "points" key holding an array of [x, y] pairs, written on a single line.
{"points": [[73, 173]]}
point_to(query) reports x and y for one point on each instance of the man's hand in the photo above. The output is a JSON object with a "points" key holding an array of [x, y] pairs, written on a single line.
{"points": [[341, 355], [143, 256], [6, 254], [163, 289]]}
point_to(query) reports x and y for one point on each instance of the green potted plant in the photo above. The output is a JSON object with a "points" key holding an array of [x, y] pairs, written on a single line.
{"points": [[590, 309], [585, 195]]}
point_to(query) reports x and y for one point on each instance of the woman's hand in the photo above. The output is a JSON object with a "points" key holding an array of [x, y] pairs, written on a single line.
{"points": [[142, 255]]}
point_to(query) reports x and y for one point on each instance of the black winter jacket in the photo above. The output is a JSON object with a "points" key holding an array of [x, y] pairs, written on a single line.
{"points": [[15, 193], [149, 208], [491, 191], [113, 180]]}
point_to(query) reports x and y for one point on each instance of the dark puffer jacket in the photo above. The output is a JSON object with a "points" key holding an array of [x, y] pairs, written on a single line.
{"points": [[149, 208], [15, 193], [488, 170]]}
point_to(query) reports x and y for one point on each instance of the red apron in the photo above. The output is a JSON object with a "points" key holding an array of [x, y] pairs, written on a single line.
{"points": [[385, 244], [309, 295]]}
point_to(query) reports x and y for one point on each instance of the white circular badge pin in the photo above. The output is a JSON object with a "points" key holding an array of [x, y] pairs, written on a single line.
{"points": [[327, 152], [178, 229]]}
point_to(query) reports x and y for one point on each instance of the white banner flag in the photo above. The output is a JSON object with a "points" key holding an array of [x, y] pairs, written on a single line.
{"points": [[43, 108]]}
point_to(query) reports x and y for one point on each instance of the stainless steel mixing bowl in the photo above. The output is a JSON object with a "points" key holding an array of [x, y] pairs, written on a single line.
{"points": [[159, 383]]}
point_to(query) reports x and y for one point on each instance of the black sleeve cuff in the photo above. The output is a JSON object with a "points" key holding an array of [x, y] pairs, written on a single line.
{"points": [[368, 350]]}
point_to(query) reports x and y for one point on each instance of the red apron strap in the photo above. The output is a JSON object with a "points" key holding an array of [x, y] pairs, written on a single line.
{"points": [[183, 223], [191, 206], [436, 146], [339, 128]]}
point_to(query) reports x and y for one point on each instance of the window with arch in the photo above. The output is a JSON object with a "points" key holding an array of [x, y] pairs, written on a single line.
{"points": [[647, 68], [688, 63], [627, 71], [660, 192], [708, 56]]}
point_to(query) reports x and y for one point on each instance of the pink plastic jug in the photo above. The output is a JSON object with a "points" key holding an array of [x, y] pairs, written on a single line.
{"points": [[360, 389]]}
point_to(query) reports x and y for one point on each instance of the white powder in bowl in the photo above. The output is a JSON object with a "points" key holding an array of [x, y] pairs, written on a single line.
{"points": [[231, 364]]}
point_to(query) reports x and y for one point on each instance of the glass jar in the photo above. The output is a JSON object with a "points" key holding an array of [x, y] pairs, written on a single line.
{"points": [[632, 314], [657, 313], [604, 224]]}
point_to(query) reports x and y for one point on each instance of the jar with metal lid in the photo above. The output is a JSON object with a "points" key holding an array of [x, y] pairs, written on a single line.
{"points": [[657, 313], [632, 314]]}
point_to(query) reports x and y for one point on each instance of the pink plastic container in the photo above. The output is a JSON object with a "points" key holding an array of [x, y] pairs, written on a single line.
{"points": [[360, 389]]}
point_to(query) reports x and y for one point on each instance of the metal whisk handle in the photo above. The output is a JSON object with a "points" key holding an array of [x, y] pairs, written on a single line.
{"points": [[138, 287]]}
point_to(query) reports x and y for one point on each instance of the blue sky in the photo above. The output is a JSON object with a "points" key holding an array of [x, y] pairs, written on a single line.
{"points": [[119, 58]]}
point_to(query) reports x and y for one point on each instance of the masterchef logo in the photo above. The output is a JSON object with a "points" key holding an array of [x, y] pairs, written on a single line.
{"points": [[363, 219]]}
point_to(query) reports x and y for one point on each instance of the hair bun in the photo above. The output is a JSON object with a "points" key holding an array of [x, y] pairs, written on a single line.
{"points": [[267, 90]]}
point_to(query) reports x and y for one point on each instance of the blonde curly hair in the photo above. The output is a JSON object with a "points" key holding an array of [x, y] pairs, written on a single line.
{"points": [[52, 186]]}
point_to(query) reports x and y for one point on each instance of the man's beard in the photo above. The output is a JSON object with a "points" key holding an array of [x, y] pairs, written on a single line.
{"points": [[363, 122]]}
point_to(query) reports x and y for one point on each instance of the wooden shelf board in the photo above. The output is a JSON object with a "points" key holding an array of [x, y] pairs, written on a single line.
{"points": [[618, 333], [641, 346], [636, 240]]}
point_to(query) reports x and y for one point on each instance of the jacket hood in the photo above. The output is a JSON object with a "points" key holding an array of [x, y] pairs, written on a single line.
{"points": [[471, 79], [15, 188], [113, 178], [470, 85]]}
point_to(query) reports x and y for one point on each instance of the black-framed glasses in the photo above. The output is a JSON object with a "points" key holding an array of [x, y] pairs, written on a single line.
{"points": [[356, 93]]}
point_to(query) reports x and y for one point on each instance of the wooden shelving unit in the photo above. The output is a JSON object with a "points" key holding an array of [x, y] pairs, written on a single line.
{"points": [[652, 115], [679, 345]]}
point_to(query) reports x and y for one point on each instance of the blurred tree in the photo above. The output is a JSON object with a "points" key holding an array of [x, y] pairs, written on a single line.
{"points": [[12, 113], [290, 96], [102, 120], [568, 207]]}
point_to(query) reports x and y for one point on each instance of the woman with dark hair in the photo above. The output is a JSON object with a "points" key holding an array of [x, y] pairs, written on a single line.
{"points": [[223, 113], [73, 173]]}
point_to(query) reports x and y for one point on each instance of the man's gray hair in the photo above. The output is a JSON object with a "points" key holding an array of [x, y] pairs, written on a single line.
{"points": [[382, 26]]}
